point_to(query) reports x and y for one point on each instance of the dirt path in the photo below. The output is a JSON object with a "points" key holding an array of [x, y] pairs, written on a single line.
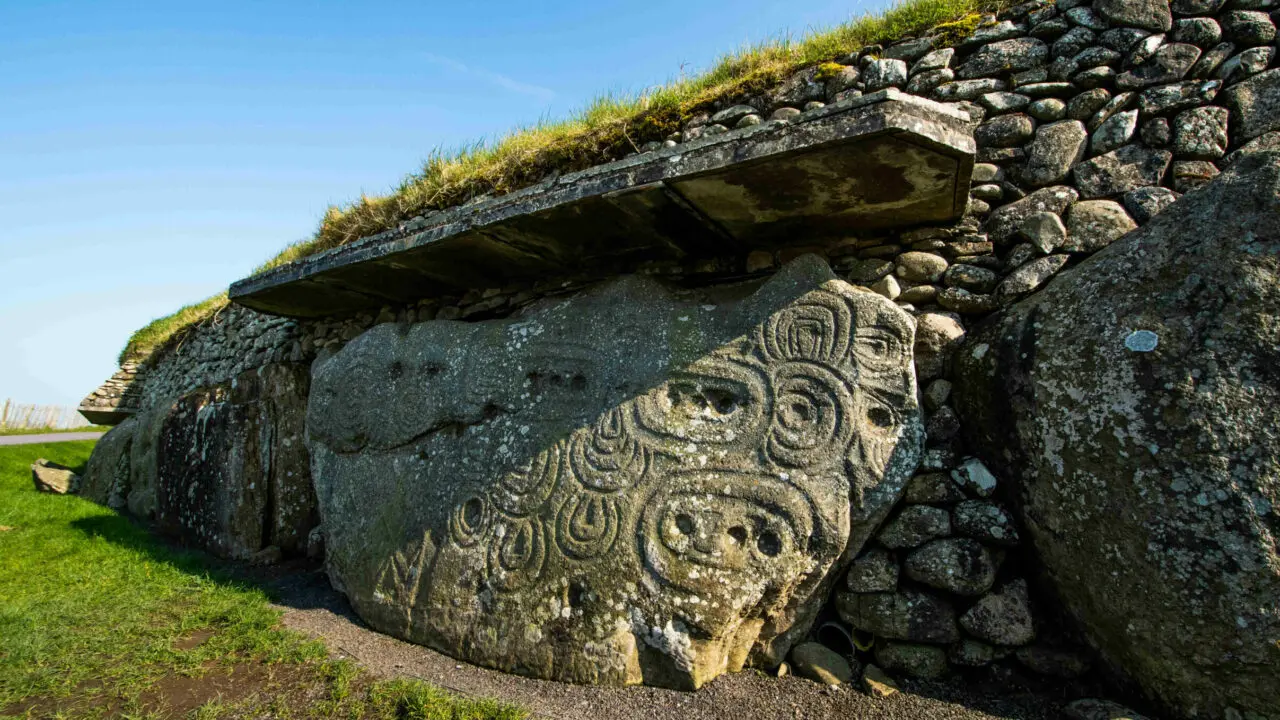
{"points": [[312, 607], [48, 438]]}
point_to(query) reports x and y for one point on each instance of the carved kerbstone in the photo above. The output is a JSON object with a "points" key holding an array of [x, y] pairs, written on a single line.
{"points": [[630, 485]]}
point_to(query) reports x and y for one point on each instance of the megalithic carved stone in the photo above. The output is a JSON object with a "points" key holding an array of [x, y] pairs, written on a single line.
{"points": [[635, 484]]}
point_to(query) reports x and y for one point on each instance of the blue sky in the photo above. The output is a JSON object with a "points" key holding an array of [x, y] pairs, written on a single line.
{"points": [[152, 153]]}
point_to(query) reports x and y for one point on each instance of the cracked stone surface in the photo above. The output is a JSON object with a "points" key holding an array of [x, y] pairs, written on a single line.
{"points": [[1132, 404], [631, 485]]}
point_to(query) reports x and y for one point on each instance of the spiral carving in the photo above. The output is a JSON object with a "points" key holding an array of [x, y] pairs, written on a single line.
{"points": [[811, 415], [816, 328]]}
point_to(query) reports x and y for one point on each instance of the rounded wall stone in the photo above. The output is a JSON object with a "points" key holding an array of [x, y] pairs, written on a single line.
{"points": [[1133, 406]]}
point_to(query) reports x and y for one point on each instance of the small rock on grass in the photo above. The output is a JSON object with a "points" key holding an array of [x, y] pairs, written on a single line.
{"points": [[821, 664], [50, 477]]}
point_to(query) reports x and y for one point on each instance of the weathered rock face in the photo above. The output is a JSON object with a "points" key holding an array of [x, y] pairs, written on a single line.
{"points": [[224, 467], [630, 485], [233, 468], [107, 474], [1134, 404]]}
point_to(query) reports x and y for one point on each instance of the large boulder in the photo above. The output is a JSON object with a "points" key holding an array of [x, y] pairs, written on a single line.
{"points": [[629, 485], [232, 472], [223, 467], [1134, 407]]}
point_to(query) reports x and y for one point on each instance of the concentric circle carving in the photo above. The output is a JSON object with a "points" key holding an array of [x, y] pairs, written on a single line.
{"points": [[518, 553], [607, 456], [816, 327], [812, 407], [523, 491], [470, 521], [587, 525]]}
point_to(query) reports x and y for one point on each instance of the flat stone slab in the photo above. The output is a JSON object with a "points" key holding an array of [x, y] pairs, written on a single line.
{"points": [[879, 161], [105, 415]]}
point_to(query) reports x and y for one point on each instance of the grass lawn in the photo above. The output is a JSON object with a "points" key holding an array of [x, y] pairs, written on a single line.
{"points": [[100, 619], [45, 431]]}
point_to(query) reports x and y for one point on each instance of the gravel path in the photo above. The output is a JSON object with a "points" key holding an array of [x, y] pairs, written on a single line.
{"points": [[48, 438], [312, 607]]}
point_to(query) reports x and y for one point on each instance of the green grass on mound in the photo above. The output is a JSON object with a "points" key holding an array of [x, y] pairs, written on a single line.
{"points": [[97, 619], [171, 328], [610, 127]]}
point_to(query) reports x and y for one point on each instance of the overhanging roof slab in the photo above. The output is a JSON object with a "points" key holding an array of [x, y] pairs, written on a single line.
{"points": [[880, 161]]}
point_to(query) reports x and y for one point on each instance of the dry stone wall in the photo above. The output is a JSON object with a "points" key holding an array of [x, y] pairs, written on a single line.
{"points": [[1090, 119], [118, 397]]}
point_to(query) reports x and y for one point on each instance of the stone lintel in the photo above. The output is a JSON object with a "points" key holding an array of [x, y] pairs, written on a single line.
{"points": [[880, 161], [105, 415]]}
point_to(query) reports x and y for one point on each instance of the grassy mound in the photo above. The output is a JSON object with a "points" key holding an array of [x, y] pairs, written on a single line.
{"points": [[609, 128]]}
